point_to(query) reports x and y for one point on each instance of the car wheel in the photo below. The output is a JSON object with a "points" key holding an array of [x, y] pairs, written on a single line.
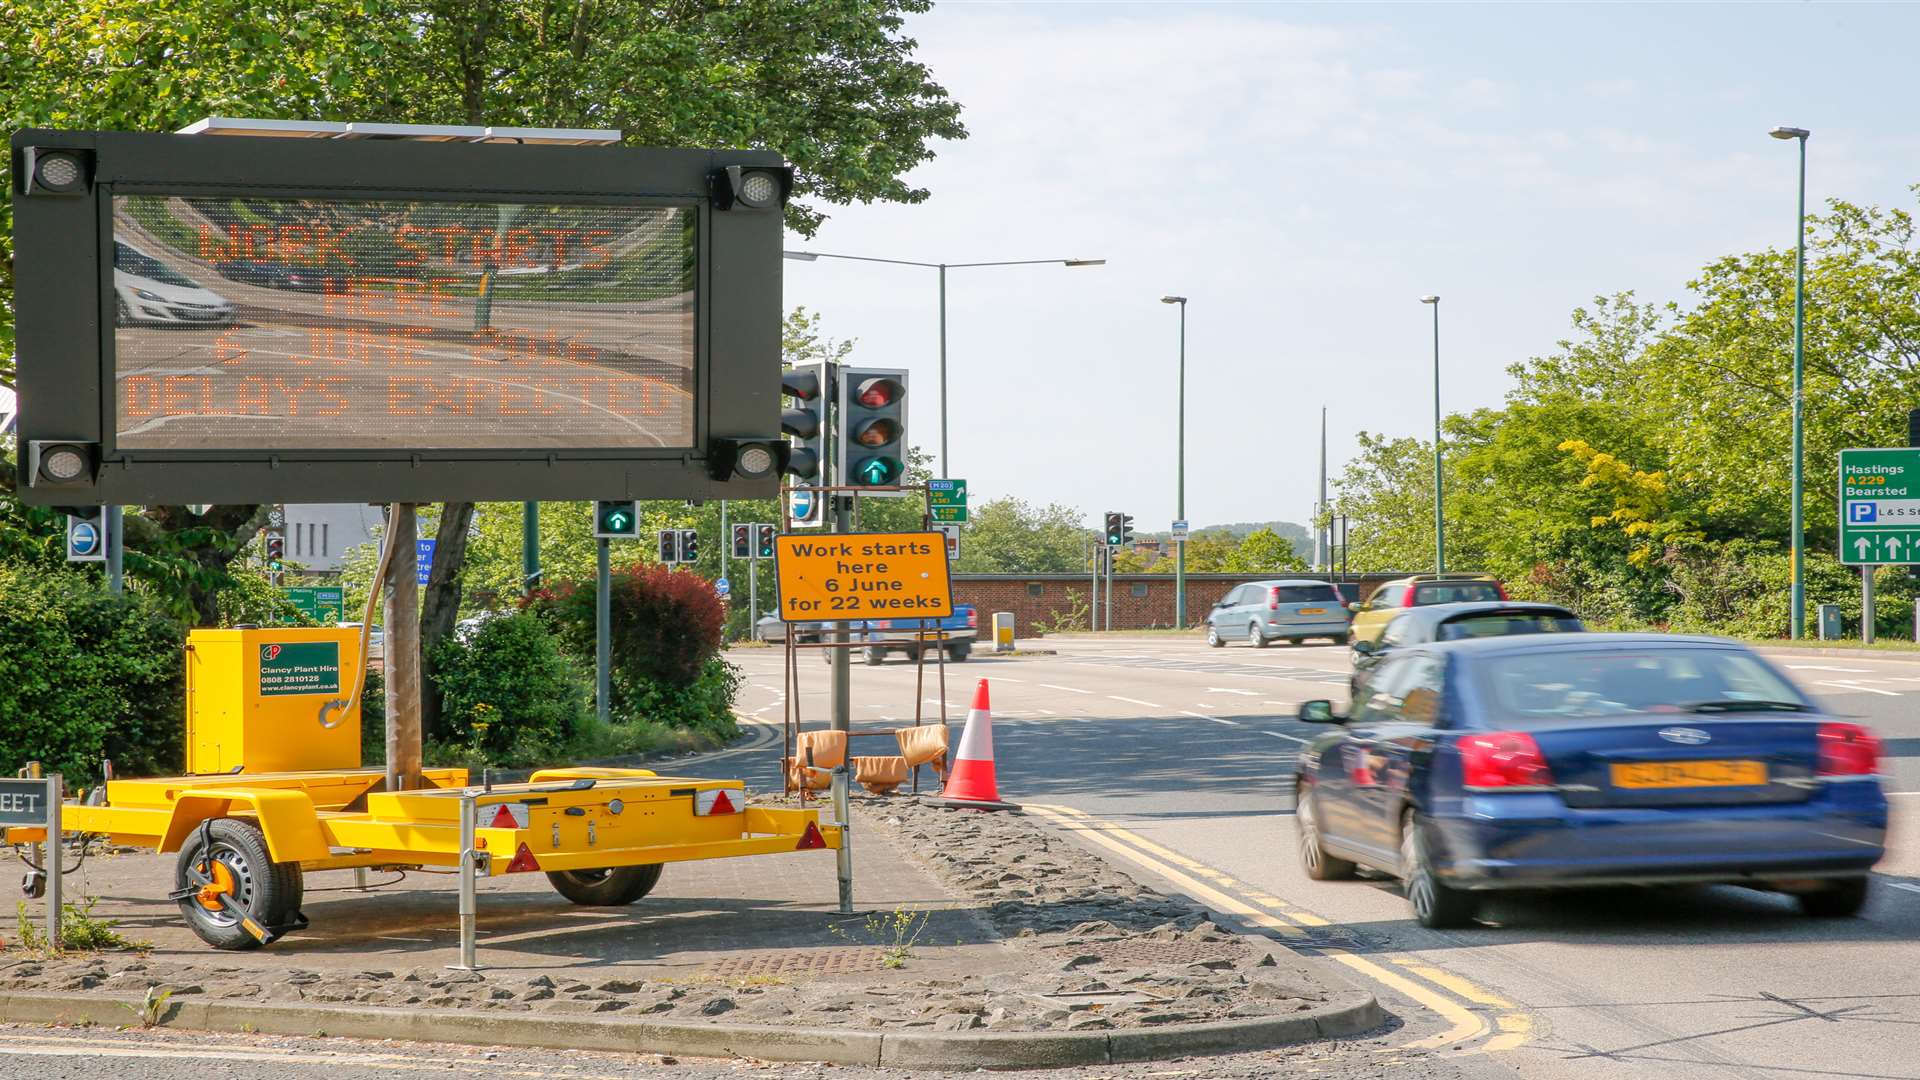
{"points": [[1213, 636], [1314, 859], [876, 657], [1254, 637], [1837, 900], [959, 653], [1436, 905]]}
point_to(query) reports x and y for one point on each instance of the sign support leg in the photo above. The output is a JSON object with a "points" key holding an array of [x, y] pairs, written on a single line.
{"points": [[753, 587], [402, 647], [116, 529], [602, 635], [1866, 603], [55, 791], [843, 719]]}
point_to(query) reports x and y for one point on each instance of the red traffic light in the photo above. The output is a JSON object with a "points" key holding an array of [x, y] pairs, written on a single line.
{"points": [[877, 433], [879, 393]]}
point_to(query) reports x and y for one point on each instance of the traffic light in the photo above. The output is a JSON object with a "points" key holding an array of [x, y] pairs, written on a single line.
{"points": [[618, 519], [1126, 530], [743, 541], [873, 427], [763, 543], [689, 545], [669, 546], [1116, 528], [806, 423], [276, 552], [86, 534]]}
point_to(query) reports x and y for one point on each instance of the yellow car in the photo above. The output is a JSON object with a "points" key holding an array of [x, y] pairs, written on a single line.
{"points": [[1371, 617]]}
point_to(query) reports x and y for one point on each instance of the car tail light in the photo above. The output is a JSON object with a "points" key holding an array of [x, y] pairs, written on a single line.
{"points": [[1848, 750], [1273, 599], [1502, 590], [973, 619], [1506, 760], [1406, 598]]}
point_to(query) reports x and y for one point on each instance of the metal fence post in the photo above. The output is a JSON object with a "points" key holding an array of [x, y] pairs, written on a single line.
{"points": [[469, 900], [54, 898]]}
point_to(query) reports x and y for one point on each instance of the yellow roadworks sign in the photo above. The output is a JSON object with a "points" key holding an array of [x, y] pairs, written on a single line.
{"points": [[863, 576]]}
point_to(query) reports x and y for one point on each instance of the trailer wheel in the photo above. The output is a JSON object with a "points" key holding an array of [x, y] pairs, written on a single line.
{"points": [[610, 887], [229, 856]]}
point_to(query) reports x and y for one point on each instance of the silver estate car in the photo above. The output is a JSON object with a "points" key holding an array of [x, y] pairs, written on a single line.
{"points": [[1291, 608]]}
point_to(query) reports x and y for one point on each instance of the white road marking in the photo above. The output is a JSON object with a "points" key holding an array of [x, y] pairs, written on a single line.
{"points": [[1284, 735], [1824, 667], [1068, 689], [1282, 704], [1046, 712], [1215, 719], [1903, 885], [1135, 701], [1850, 685], [1231, 690]]}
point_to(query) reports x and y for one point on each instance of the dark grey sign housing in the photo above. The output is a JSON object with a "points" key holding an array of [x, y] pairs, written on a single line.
{"points": [[236, 319]]}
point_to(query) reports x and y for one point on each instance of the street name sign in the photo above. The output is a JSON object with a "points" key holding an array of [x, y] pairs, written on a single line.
{"points": [[1880, 506], [947, 500], [863, 575], [23, 802]]}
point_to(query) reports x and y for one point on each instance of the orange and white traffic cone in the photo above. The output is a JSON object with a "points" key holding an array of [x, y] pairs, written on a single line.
{"points": [[972, 783]]}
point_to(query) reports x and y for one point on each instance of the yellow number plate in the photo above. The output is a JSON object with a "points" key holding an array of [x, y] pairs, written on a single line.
{"points": [[1311, 611], [1683, 774]]}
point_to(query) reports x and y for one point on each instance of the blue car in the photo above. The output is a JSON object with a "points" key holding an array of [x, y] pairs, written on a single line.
{"points": [[1554, 760]]}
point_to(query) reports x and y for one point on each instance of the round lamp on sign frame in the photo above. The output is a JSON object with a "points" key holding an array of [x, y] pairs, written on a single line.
{"points": [[63, 463], [59, 172], [754, 462]]}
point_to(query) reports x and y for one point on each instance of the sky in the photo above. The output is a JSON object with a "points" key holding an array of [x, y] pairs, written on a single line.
{"points": [[1304, 174]]}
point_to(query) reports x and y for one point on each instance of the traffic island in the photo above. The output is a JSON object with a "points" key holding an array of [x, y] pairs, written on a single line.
{"points": [[983, 940]]}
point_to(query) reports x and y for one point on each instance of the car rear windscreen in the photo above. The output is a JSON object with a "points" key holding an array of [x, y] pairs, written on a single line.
{"points": [[1455, 592], [1305, 594], [1504, 624], [1576, 683]]}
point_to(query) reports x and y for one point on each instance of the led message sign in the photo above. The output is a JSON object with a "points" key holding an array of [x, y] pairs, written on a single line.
{"points": [[254, 323]]}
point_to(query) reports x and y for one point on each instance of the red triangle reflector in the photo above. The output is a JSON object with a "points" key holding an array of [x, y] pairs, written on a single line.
{"points": [[503, 819], [722, 804], [811, 839], [522, 861]]}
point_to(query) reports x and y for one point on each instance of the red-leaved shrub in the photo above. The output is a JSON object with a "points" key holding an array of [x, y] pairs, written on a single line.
{"points": [[666, 623]]}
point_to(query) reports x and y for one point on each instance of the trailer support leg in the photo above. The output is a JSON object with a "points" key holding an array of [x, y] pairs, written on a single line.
{"points": [[842, 810], [469, 899]]}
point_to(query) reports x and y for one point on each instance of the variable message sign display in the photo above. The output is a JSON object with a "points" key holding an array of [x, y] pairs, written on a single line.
{"points": [[247, 319]]}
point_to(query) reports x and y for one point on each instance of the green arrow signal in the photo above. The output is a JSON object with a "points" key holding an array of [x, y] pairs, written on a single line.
{"points": [[876, 471], [616, 522]]}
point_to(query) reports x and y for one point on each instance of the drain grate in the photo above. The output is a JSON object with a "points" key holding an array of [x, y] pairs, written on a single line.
{"points": [[796, 963], [1136, 954]]}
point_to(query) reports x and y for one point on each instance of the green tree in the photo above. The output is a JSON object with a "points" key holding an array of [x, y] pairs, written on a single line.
{"points": [[1011, 536]]}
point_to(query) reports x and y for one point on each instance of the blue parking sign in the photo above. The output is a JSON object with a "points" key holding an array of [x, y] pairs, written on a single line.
{"points": [[1863, 511]]}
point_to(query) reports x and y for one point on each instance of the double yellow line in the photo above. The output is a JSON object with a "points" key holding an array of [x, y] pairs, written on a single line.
{"points": [[1469, 1010]]}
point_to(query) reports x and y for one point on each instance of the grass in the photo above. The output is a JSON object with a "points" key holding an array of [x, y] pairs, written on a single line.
{"points": [[79, 931], [1892, 645], [1156, 631], [894, 932]]}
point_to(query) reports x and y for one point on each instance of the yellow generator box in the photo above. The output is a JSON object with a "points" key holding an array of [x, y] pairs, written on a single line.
{"points": [[259, 698]]}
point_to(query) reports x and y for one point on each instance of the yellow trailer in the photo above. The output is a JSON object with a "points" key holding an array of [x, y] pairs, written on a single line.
{"points": [[247, 839]]}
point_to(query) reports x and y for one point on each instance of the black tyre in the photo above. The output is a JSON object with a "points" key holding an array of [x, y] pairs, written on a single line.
{"points": [[876, 657], [1213, 636], [606, 888], [230, 856], [1314, 859], [1436, 905], [1837, 900], [1254, 637], [959, 652]]}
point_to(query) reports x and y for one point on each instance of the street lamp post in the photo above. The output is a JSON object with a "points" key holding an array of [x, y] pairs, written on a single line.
{"points": [[1180, 500], [1798, 614], [1439, 497], [810, 256]]}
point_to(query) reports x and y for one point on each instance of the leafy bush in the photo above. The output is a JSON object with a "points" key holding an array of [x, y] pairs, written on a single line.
{"points": [[705, 705], [85, 674], [509, 694]]}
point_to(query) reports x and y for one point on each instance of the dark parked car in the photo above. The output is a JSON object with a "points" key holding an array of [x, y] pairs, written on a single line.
{"points": [[1457, 622], [1549, 760]]}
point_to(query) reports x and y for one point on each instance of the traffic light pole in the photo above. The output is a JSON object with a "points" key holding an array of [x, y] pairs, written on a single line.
{"points": [[602, 634], [1093, 590], [753, 591], [116, 531], [529, 546], [843, 717], [1109, 558]]}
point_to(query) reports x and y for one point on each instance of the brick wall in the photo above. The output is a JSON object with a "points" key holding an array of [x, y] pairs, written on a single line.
{"points": [[1037, 599]]}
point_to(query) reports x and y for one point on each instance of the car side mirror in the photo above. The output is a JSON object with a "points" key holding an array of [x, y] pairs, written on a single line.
{"points": [[1363, 647], [1354, 606], [1317, 711]]}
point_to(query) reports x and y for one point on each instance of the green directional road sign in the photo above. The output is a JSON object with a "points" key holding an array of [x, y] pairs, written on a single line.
{"points": [[1880, 506], [947, 500], [322, 605]]}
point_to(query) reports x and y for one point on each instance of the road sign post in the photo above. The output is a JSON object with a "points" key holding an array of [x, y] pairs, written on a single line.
{"points": [[35, 803]]}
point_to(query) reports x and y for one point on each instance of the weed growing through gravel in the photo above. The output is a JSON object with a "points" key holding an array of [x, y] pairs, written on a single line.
{"points": [[895, 933], [79, 931], [152, 1007]]}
